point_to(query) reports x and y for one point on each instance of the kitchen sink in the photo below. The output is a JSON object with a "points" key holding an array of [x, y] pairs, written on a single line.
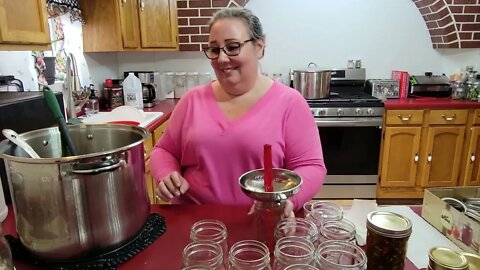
{"points": [[145, 118]]}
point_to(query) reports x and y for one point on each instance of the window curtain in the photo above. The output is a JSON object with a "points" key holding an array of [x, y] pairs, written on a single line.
{"points": [[57, 8]]}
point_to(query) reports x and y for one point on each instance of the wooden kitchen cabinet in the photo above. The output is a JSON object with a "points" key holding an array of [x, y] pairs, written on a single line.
{"points": [[129, 25], [149, 143], [420, 149], [24, 25], [470, 169]]}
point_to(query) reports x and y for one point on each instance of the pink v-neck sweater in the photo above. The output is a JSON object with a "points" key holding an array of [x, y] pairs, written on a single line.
{"points": [[212, 152]]}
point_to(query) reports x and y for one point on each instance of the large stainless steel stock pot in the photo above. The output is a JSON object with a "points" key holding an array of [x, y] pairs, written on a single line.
{"points": [[311, 82], [73, 207]]}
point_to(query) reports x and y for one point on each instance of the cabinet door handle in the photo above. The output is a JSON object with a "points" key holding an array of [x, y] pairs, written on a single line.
{"points": [[142, 5], [429, 158], [449, 118], [472, 158], [123, 2], [416, 158], [405, 118]]}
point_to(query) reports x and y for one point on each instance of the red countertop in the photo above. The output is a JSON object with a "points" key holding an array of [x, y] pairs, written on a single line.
{"points": [[165, 252], [429, 103]]}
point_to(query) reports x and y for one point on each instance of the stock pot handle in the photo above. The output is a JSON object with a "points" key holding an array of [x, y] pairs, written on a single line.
{"points": [[106, 164]]}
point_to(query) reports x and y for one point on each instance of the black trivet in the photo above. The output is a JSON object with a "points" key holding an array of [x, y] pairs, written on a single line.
{"points": [[154, 227]]}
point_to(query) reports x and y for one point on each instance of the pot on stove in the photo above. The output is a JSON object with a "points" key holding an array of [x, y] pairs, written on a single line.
{"points": [[75, 207], [311, 82]]}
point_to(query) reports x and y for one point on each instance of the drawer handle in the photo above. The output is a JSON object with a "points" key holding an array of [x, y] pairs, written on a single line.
{"points": [[472, 158], [416, 158], [406, 118], [449, 118], [429, 158]]}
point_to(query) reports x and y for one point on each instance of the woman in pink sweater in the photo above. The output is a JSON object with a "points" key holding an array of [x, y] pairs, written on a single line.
{"points": [[217, 131]]}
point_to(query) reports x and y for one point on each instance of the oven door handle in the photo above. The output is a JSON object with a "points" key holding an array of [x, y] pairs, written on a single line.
{"points": [[350, 122]]}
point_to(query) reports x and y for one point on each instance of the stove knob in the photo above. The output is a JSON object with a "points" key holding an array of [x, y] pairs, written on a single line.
{"points": [[339, 112], [322, 112], [370, 111], [358, 111]]}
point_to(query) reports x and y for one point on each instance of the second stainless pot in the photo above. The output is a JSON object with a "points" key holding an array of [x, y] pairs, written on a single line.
{"points": [[312, 83], [74, 207]]}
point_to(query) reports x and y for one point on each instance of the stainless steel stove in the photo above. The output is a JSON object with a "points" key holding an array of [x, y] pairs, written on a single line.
{"points": [[349, 123]]}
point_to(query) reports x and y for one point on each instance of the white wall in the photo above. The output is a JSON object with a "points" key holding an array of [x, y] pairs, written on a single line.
{"points": [[385, 35]]}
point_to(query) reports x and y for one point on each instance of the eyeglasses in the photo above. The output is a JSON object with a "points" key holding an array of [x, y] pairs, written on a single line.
{"points": [[231, 49]]}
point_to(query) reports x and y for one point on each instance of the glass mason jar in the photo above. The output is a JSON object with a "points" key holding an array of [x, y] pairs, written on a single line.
{"points": [[203, 253], [458, 90], [301, 267], [213, 230], [267, 215], [321, 211], [293, 250], [296, 227], [6, 261], [249, 255], [387, 238], [446, 259], [342, 230], [340, 255], [472, 91]]}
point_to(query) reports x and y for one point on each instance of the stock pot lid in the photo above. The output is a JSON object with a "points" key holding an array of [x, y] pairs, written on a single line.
{"points": [[312, 68]]}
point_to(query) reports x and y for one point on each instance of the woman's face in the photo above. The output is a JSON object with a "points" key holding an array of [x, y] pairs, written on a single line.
{"points": [[236, 74]]}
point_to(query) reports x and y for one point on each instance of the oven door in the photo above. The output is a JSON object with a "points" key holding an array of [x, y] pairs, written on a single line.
{"points": [[351, 151]]}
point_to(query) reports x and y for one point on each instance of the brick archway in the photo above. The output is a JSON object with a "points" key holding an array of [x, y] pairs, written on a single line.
{"points": [[452, 23]]}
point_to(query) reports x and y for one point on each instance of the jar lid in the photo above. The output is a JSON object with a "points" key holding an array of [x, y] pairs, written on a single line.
{"points": [[473, 260], [441, 258], [389, 224]]}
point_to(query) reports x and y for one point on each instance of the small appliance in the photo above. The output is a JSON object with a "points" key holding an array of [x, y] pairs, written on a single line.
{"points": [[149, 87], [430, 85], [383, 88]]}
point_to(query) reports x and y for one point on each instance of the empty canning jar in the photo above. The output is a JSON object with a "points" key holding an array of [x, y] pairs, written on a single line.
{"points": [[321, 211], [387, 238], [211, 229], [203, 253], [293, 250], [342, 230], [301, 267], [249, 255], [267, 215], [296, 227], [340, 255]]}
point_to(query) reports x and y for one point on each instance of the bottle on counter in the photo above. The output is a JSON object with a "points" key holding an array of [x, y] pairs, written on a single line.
{"points": [[132, 91], [112, 94], [93, 105]]}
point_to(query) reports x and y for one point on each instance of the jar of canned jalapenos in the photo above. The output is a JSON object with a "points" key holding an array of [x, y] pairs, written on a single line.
{"points": [[387, 238]]}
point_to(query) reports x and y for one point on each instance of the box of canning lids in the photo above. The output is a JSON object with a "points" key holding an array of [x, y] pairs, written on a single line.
{"points": [[455, 212]]}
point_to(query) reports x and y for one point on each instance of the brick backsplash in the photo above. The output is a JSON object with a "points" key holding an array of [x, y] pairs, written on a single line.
{"points": [[451, 23], [193, 17]]}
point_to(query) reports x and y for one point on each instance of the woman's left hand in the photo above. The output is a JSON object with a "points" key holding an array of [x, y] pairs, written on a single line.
{"points": [[287, 210]]}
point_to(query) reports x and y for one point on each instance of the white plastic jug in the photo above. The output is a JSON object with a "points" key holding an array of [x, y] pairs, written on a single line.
{"points": [[132, 91]]}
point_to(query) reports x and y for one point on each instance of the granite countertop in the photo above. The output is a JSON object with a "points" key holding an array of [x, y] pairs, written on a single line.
{"points": [[429, 103]]}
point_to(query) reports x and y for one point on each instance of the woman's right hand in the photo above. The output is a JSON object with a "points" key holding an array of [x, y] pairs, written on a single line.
{"points": [[172, 185]]}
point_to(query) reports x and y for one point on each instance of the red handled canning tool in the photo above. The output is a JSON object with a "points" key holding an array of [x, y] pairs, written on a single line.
{"points": [[267, 166]]}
